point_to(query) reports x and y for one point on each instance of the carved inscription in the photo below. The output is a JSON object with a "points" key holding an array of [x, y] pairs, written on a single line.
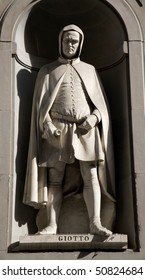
{"points": [[74, 238], [72, 242]]}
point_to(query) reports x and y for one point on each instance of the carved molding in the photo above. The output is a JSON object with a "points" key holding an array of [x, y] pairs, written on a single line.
{"points": [[16, 8], [45, 61], [130, 19]]}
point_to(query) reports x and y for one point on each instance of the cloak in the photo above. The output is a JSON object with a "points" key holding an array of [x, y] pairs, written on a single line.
{"points": [[47, 86]]}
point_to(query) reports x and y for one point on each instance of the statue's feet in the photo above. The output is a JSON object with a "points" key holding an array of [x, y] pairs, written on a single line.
{"points": [[97, 228], [51, 229]]}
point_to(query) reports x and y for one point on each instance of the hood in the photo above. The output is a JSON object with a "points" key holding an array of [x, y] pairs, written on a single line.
{"points": [[74, 28]]}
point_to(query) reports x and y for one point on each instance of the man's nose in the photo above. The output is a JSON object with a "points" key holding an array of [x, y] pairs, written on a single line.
{"points": [[70, 43]]}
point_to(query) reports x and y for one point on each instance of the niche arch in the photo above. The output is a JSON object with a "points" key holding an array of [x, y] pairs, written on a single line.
{"points": [[27, 60]]}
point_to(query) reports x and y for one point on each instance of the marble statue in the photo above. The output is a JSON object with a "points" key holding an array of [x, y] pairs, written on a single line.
{"points": [[70, 121]]}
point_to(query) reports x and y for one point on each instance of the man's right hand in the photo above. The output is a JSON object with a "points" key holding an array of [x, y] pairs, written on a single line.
{"points": [[50, 131]]}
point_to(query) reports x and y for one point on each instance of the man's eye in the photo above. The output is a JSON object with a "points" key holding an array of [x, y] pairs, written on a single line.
{"points": [[70, 41], [66, 41]]}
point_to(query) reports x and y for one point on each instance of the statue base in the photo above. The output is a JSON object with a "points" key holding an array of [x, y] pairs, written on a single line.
{"points": [[72, 242]]}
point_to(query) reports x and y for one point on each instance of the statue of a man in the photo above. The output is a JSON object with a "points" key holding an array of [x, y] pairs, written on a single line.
{"points": [[70, 121]]}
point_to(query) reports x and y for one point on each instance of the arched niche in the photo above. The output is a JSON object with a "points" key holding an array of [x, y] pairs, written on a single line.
{"points": [[106, 32]]}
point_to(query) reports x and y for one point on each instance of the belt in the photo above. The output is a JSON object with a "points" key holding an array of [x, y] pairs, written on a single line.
{"points": [[68, 118]]}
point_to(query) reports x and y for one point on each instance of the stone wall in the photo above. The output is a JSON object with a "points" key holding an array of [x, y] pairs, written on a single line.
{"points": [[118, 55]]}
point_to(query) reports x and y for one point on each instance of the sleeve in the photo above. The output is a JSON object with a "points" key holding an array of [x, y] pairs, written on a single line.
{"points": [[97, 114]]}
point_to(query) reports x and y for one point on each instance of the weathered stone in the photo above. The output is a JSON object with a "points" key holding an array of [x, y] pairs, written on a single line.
{"points": [[123, 76], [72, 242]]}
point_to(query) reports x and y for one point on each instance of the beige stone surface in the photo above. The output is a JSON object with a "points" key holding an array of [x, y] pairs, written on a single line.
{"points": [[72, 242], [126, 90]]}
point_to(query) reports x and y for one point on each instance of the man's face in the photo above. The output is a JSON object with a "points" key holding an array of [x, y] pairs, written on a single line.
{"points": [[70, 43]]}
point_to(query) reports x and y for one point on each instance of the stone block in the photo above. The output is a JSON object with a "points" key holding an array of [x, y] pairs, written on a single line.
{"points": [[4, 186], [72, 242], [140, 201], [5, 130], [138, 139], [5, 76], [137, 75]]}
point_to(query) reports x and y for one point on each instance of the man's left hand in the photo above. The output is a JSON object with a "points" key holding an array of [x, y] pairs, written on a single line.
{"points": [[89, 123]]}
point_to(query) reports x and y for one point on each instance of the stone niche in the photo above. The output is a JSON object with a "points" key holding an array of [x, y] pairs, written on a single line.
{"points": [[105, 46]]}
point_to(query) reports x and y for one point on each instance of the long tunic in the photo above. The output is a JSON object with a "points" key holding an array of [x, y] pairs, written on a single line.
{"points": [[73, 103], [48, 83]]}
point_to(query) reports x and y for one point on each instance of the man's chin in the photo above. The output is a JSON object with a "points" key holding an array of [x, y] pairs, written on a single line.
{"points": [[70, 55]]}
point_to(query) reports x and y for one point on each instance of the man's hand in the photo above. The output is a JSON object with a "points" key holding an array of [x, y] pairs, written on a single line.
{"points": [[89, 123], [50, 131]]}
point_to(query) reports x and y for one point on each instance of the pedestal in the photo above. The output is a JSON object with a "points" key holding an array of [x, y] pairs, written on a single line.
{"points": [[72, 242]]}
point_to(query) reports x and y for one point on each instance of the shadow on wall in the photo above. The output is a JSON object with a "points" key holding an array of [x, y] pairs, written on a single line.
{"points": [[25, 85]]}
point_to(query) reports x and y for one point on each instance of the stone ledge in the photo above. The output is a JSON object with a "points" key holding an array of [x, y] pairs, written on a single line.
{"points": [[67, 242]]}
